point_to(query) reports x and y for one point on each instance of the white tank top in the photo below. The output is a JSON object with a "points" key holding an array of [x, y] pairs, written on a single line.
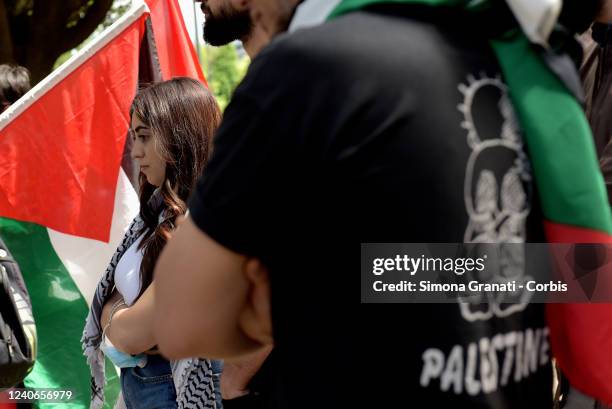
{"points": [[127, 272]]}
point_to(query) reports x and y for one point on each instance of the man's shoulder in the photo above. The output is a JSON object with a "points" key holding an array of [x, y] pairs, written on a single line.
{"points": [[372, 43], [356, 34], [363, 57]]}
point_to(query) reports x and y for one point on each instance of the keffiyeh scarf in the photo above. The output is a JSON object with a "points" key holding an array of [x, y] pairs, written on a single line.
{"points": [[192, 377]]}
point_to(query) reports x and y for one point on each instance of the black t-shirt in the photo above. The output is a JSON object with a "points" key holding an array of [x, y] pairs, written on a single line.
{"points": [[377, 128]]}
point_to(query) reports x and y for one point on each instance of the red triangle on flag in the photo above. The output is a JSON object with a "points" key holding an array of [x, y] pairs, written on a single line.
{"points": [[62, 144]]}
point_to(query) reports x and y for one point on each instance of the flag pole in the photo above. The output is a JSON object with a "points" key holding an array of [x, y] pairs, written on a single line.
{"points": [[197, 35]]}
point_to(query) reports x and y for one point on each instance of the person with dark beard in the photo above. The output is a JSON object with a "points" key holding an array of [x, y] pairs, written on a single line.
{"points": [[241, 381], [350, 133], [224, 24]]}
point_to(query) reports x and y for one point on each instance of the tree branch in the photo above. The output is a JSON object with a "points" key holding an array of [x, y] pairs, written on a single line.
{"points": [[6, 41], [45, 26], [74, 36]]}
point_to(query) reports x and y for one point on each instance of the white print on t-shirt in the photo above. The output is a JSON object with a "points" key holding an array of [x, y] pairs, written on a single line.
{"points": [[486, 365], [496, 194]]}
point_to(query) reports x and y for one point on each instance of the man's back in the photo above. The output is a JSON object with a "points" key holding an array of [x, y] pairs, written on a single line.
{"points": [[378, 128]]}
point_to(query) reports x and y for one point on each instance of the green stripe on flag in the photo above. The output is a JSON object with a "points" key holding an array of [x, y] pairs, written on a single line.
{"points": [[59, 311], [556, 131], [570, 183]]}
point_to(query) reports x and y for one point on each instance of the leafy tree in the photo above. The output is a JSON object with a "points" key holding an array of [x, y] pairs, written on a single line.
{"points": [[34, 33], [224, 69], [118, 8]]}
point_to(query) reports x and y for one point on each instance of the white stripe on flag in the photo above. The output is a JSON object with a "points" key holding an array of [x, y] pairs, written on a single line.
{"points": [[312, 13], [86, 259]]}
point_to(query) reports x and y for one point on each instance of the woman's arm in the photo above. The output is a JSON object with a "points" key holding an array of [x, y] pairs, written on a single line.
{"points": [[131, 330], [108, 306]]}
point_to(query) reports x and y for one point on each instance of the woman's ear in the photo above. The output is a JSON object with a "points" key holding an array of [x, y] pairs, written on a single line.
{"points": [[255, 319]]}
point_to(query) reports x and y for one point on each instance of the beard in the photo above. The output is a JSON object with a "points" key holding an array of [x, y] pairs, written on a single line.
{"points": [[227, 26]]}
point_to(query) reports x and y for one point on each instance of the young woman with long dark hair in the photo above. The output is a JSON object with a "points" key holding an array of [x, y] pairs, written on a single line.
{"points": [[172, 124]]}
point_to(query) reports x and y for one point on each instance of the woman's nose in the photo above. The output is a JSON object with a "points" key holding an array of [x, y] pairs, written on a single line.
{"points": [[137, 150]]}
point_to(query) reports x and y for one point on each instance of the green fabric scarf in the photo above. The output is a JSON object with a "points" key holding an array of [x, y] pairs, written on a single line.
{"points": [[556, 132]]}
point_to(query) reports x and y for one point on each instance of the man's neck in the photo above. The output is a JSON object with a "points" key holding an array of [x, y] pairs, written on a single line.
{"points": [[259, 37], [254, 43]]}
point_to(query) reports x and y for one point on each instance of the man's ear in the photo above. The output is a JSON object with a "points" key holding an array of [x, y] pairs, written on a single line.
{"points": [[255, 319]]}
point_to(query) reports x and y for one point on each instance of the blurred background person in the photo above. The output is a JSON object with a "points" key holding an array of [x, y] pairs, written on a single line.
{"points": [[14, 83]]}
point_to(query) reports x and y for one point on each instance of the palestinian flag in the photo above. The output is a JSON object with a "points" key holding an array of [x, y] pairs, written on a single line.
{"points": [[177, 56], [67, 182]]}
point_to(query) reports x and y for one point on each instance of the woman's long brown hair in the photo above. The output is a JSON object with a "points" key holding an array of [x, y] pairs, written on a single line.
{"points": [[183, 116]]}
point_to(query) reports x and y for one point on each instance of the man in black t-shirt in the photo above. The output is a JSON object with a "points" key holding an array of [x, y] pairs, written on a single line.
{"points": [[386, 125], [224, 24]]}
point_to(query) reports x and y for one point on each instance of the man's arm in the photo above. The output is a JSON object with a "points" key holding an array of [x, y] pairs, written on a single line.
{"points": [[237, 374], [202, 298]]}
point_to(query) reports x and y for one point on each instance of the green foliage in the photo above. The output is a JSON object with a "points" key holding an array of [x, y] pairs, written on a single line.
{"points": [[63, 58], [118, 8], [224, 70]]}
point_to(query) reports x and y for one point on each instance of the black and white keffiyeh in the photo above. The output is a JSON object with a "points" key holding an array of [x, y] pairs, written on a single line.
{"points": [[192, 377], [92, 334]]}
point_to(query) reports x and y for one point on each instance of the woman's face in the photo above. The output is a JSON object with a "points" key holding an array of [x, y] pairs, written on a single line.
{"points": [[145, 151]]}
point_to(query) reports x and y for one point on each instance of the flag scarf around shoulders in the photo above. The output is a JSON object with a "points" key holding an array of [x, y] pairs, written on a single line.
{"points": [[65, 198], [556, 132], [571, 190]]}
